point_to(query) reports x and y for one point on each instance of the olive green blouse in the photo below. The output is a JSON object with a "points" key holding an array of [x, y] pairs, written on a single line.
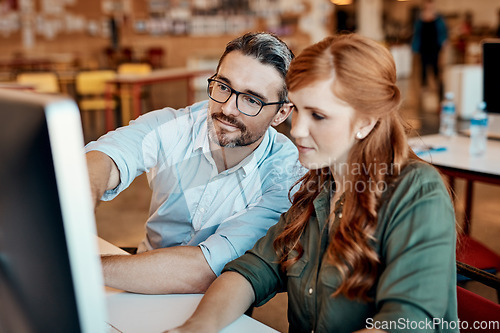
{"points": [[415, 241]]}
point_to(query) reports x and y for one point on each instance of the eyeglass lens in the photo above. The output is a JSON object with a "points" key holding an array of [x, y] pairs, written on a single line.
{"points": [[245, 103]]}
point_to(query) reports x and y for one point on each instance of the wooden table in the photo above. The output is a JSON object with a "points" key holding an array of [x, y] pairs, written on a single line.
{"points": [[456, 162], [18, 64], [132, 84], [17, 86]]}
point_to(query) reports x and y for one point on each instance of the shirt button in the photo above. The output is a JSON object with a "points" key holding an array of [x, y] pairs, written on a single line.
{"points": [[340, 215], [310, 291], [202, 210]]}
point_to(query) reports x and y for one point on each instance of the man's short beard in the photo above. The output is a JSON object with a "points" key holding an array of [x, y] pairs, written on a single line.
{"points": [[244, 139]]}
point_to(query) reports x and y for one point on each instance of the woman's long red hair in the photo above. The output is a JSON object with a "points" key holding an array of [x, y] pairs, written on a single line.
{"points": [[365, 77]]}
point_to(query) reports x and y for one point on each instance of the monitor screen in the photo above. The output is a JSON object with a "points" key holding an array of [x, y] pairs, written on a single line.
{"points": [[50, 273], [491, 74]]}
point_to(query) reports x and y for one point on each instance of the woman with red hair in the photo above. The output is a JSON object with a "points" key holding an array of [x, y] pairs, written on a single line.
{"points": [[369, 242]]}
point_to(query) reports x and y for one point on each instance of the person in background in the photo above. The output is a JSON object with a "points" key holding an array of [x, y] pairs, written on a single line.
{"points": [[497, 33], [465, 32], [219, 173], [429, 36], [369, 241]]}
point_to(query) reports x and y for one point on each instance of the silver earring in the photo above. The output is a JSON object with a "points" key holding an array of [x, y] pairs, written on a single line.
{"points": [[359, 135]]}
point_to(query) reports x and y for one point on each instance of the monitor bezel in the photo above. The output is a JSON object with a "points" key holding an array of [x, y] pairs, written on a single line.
{"points": [[65, 136]]}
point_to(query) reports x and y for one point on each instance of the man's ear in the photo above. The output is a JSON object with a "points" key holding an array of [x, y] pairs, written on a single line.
{"points": [[282, 114]]}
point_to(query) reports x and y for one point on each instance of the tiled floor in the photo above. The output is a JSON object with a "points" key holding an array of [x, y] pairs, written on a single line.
{"points": [[122, 221]]}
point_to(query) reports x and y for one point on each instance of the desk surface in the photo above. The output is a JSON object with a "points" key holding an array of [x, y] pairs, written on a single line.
{"points": [[131, 313], [457, 155]]}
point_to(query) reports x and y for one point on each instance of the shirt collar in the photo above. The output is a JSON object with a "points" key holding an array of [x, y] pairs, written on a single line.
{"points": [[253, 160], [249, 163], [322, 204]]}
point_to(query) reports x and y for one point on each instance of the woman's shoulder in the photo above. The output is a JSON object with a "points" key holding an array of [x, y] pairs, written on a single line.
{"points": [[419, 172], [417, 200], [416, 180]]}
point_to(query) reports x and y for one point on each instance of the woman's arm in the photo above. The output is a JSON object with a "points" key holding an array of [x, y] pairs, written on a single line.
{"points": [[252, 278], [417, 282], [225, 301]]}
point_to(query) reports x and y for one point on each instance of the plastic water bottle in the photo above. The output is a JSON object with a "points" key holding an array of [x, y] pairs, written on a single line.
{"points": [[479, 130], [448, 123]]}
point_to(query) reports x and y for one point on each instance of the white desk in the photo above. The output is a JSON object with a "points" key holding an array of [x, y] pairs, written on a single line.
{"points": [[456, 161], [132, 313]]}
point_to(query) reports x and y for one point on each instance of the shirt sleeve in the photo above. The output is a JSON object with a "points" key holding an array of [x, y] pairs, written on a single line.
{"points": [[239, 232], [260, 266], [137, 148], [418, 281]]}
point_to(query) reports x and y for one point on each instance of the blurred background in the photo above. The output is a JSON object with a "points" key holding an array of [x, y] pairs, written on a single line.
{"points": [[67, 36], [96, 50]]}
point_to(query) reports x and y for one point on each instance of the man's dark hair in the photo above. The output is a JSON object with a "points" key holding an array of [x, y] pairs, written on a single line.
{"points": [[266, 48]]}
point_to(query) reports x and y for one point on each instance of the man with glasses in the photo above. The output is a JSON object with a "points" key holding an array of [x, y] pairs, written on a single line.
{"points": [[219, 174]]}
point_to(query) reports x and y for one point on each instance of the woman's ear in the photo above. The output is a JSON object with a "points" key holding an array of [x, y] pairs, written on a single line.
{"points": [[282, 114], [364, 127]]}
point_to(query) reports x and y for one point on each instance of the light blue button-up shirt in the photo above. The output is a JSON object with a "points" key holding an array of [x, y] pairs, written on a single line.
{"points": [[192, 204]]}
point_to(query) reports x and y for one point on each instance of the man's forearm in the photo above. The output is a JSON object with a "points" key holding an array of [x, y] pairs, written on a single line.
{"points": [[103, 174], [175, 270]]}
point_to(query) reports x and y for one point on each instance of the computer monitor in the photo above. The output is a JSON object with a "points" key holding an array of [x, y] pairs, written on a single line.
{"points": [[491, 75], [50, 273]]}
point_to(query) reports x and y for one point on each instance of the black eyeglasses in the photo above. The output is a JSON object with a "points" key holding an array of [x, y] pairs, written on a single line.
{"points": [[247, 104]]}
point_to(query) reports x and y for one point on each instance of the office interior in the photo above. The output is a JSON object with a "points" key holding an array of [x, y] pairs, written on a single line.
{"points": [[69, 37]]}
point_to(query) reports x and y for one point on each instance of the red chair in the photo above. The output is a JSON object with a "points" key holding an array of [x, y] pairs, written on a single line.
{"points": [[127, 55], [155, 56], [474, 253], [476, 310], [479, 275]]}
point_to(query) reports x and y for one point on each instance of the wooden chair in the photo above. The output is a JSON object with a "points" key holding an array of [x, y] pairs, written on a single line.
{"points": [[91, 97], [43, 82]]}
